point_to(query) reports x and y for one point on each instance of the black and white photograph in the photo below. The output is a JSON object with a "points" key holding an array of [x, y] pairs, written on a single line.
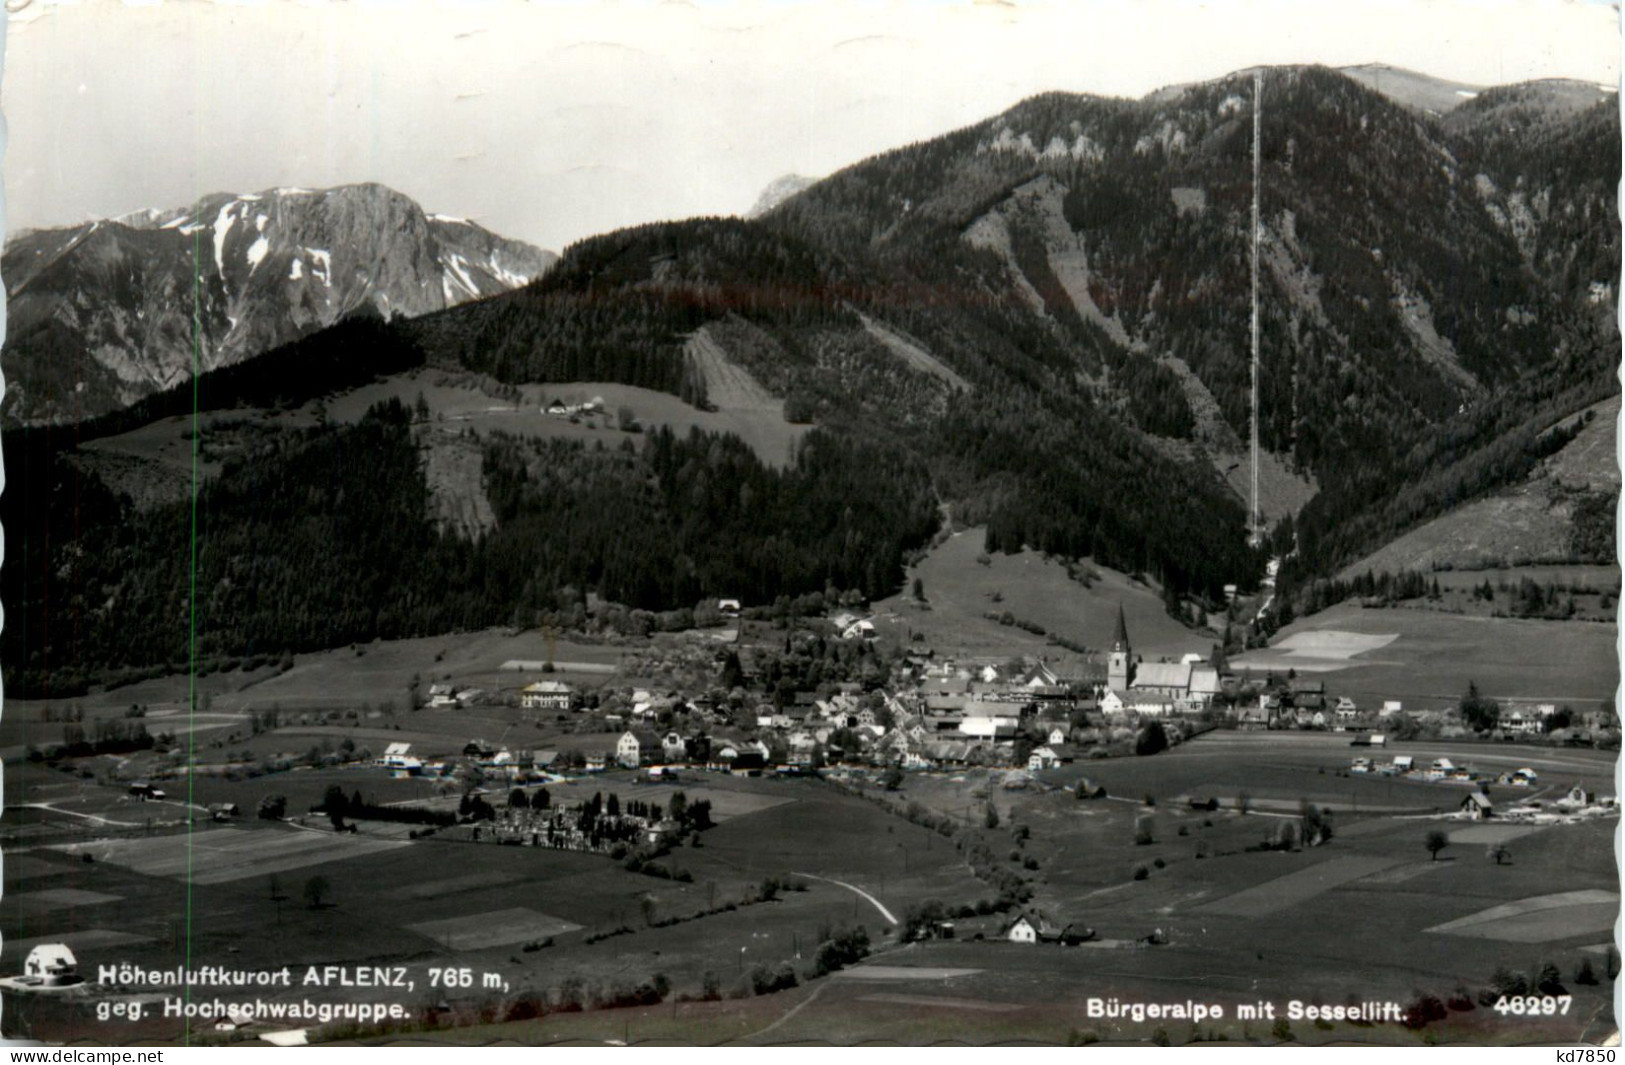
{"points": [[750, 523]]}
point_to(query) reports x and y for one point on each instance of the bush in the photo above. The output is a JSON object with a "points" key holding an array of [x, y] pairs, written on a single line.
{"points": [[1141, 872], [1160, 864], [1585, 974], [1144, 831]]}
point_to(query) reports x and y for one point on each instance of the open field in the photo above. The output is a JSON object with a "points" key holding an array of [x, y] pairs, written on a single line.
{"points": [[222, 855], [1297, 887], [1242, 924], [37, 903], [1428, 659], [743, 406], [1540, 919], [500, 928], [959, 590]]}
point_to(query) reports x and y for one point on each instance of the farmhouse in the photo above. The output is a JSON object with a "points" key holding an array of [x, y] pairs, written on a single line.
{"points": [[1022, 930], [397, 756], [1049, 756], [634, 746], [1035, 927], [545, 695], [1477, 806], [51, 964]]}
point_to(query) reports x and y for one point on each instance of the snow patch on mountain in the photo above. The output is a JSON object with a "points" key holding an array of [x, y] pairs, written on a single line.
{"points": [[222, 226], [256, 253], [321, 264]]}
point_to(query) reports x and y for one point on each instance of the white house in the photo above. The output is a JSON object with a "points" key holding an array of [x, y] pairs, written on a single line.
{"points": [[545, 695], [859, 630], [990, 728], [397, 756], [673, 747], [1391, 707], [1021, 931], [634, 746], [52, 964], [1042, 758], [1057, 735]]}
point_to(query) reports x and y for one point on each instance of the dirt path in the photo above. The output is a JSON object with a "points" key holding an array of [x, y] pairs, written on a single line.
{"points": [[887, 914]]}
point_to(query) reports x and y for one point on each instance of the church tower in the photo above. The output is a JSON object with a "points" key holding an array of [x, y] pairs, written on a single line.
{"points": [[1119, 663]]}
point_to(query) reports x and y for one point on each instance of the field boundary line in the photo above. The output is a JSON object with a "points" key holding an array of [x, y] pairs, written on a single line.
{"points": [[887, 914]]}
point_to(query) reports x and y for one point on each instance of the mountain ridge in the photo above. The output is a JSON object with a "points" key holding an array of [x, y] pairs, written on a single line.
{"points": [[101, 314]]}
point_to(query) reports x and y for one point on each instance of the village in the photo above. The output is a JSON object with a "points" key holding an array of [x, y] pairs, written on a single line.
{"points": [[1016, 713], [762, 789]]}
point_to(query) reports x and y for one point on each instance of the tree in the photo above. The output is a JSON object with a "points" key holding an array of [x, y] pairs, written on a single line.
{"points": [[1436, 841], [1498, 853], [273, 807], [335, 804], [317, 889], [1244, 802], [919, 590], [1151, 739], [733, 672], [990, 817], [1477, 712], [518, 800], [892, 779]]}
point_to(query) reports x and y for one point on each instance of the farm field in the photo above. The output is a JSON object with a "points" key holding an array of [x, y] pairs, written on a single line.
{"points": [[1251, 924], [959, 591], [1428, 659]]}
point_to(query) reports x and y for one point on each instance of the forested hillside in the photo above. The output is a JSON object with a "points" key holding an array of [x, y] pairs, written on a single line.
{"points": [[320, 538], [1038, 324]]}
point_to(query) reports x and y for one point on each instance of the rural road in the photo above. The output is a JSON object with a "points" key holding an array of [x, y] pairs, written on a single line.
{"points": [[887, 914]]}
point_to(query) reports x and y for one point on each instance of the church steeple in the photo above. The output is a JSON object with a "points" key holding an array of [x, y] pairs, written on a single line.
{"points": [[1120, 662], [1120, 636]]}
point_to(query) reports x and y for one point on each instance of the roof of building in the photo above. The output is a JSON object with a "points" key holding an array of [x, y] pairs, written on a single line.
{"points": [[1120, 633], [1162, 675], [1205, 681]]}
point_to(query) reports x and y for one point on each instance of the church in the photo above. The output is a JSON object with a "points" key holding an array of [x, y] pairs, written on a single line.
{"points": [[1137, 684]]}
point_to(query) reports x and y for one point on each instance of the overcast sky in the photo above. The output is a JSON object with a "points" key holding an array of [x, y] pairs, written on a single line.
{"points": [[550, 120]]}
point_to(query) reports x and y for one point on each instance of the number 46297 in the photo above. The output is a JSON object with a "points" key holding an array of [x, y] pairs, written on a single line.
{"points": [[1533, 1005]]}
